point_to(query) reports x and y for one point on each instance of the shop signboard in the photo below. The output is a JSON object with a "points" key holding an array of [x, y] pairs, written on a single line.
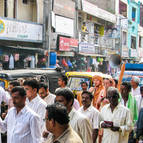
{"points": [[66, 44], [141, 52], [64, 8], [125, 51], [97, 12], [20, 31], [134, 53], [64, 25], [86, 48]]}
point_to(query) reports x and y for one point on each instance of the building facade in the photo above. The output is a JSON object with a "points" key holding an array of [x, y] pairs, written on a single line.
{"points": [[21, 32]]}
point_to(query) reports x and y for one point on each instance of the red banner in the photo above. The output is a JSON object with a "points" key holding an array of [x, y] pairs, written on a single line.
{"points": [[66, 43]]}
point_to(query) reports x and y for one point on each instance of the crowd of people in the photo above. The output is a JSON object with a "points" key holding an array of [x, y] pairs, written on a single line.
{"points": [[99, 114]]}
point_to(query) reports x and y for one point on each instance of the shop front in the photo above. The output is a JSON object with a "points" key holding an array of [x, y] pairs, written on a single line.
{"points": [[20, 43]]}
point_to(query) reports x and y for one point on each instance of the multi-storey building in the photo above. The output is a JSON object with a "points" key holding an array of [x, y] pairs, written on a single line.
{"points": [[21, 31]]}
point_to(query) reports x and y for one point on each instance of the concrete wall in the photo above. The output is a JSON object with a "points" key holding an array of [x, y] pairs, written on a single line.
{"points": [[24, 11], [108, 5], [1, 8]]}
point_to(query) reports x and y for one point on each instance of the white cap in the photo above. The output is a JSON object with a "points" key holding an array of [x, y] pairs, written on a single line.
{"points": [[136, 79]]}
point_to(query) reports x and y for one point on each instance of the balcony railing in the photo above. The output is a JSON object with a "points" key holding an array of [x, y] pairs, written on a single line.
{"points": [[102, 43]]}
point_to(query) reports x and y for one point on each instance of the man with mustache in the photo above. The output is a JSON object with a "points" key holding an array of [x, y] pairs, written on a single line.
{"points": [[21, 123]]}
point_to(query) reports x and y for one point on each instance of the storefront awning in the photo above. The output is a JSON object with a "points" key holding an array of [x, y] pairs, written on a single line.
{"points": [[92, 55]]}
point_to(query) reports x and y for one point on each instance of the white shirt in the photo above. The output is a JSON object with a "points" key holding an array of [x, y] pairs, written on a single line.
{"points": [[92, 114], [136, 91], [139, 100], [81, 125], [120, 117], [22, 127], [4, 96], [38, 105], [50, 99]]}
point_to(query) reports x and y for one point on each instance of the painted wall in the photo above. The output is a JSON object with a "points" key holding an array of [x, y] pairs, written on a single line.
{"points": [[133, 25]]}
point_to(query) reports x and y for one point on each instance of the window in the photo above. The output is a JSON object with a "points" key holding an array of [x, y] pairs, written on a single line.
{"points": [[141, 15], [133, 42], [5, 8], [140, 42], [15, 9], [122, 8], [25, 1], [133, 14], [124, 40]]}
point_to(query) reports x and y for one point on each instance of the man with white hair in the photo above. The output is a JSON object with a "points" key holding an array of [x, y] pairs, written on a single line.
{"points": [[135, 85]]}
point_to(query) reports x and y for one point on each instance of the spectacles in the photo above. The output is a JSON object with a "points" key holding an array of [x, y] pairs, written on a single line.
{"points": [[45, 119]]}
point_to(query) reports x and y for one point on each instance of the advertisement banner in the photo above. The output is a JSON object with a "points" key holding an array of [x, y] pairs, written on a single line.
{"points": [[86, 48], [64, 25], [22, 31], [134, 53], [66, 44]]}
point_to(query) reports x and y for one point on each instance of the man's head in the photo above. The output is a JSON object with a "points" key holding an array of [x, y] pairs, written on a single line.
{"points": [[107, 83], [56, 117], [62, 81], [84, 85], [65, 96], [43, 90], [31, 87], [113, 96], [86, 98], [141, 90], [125, 89], [18, 96], [13, 84], [135, 81]]}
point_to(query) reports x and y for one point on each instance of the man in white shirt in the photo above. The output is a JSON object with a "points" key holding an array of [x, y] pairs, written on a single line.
{"points": [[21, 123], [90, 112], [34, 101], [116, 119], [135, 85], [139, 99], [79, 122], [4, 97], [45, 94]]}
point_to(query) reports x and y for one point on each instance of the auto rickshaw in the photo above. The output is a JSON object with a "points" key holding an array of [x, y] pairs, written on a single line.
{"points": [[76, 78], [49, 76]]}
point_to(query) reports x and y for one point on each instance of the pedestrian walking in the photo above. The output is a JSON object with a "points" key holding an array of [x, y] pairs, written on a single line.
{"points": [[57, 123], [21, 123], [116, 119], [90, 112], [78, 122]]}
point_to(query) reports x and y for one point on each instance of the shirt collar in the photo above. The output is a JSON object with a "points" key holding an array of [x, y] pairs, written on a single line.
{"points": [[22, 111], [88, 109], [63, 134], [72, 112], [108, 106], [34, 99]]}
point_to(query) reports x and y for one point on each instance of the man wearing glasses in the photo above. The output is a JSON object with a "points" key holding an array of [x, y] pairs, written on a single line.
{"points": [[115, 119]]}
